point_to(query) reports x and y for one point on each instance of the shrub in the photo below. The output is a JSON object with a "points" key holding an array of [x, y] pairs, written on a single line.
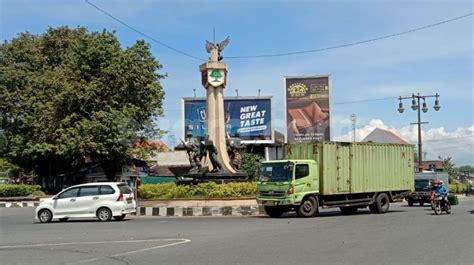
{"points": [[11, 190], [202, 190], [457, 188], [251, 164]]}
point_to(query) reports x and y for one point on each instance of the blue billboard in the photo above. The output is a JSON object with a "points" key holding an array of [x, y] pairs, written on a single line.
{"points": [[250, 116]]}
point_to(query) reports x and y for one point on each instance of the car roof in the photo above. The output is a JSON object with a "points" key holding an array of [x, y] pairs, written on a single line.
{"points": [[97, 183]]}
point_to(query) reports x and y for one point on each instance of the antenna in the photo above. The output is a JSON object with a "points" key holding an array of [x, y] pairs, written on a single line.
{"points": [[214, 35]]}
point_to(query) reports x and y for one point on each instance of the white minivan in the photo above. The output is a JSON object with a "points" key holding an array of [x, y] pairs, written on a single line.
{"points": [[103, 200]]}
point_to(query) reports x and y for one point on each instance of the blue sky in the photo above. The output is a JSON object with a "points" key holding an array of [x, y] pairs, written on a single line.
{"points": [[434, 60]]}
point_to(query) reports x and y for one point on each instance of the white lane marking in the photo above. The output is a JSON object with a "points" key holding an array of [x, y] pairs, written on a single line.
{"points": [[133, 252], [96, 242]]}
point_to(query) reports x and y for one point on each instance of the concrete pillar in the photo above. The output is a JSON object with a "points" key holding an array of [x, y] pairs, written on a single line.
{"points": [[215, 126]]}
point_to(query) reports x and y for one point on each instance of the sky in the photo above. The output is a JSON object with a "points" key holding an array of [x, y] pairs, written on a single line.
{"points": [[365, 79]]}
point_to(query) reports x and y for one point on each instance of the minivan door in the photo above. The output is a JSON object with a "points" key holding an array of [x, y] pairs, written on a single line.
{"points": [[88, 200], [65, 202]]}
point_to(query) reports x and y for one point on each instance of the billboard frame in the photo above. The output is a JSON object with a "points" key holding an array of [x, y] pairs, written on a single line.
{"points": [[234, 98], [285, 99]]}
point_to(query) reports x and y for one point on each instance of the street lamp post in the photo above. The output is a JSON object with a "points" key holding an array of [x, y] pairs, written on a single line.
{"points": [[416, 106]]}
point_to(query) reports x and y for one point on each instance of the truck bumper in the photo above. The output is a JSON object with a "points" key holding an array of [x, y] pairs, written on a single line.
{"points": [[274, 201]]}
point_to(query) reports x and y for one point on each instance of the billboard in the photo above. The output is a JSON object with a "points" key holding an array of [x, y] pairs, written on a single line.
{"points": [[250, 116], [307, 109]]}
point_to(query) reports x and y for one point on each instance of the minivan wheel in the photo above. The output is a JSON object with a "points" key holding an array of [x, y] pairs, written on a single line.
{"points": [[45, 216], [104, 214], [120, 217]]}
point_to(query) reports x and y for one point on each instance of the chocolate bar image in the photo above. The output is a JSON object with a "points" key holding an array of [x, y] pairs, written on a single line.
{"points": [[306, 116]]}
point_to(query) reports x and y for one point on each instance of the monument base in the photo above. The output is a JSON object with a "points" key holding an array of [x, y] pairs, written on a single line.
{"points": [[219, 177]]}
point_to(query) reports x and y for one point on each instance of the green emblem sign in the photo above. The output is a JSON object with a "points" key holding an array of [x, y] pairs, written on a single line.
{"points": [[216, 77]]}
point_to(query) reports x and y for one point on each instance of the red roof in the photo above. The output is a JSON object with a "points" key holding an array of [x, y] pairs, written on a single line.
{"points": [[395, 137]]}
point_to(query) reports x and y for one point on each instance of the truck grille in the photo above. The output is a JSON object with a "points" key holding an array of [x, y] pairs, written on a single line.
{"points": [[272, 193]]}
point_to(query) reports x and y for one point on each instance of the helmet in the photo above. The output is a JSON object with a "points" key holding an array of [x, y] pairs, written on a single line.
{"points": [[436, 182]]}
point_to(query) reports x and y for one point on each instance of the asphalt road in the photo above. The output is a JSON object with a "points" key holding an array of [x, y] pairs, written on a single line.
{"points": [[405, 235]]}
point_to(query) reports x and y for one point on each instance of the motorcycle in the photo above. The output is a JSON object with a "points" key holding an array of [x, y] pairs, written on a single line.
{"points": [[439, 205], [431, 199]]}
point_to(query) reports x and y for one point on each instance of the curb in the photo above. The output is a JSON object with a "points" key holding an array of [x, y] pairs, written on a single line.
{"points": [[20, 204], [200, 211]]}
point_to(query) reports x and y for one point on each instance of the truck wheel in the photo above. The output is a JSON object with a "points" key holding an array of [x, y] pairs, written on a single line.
{"points": [[308, 208], [274, 211], [382, 203], [410, 202], [348, 210]]}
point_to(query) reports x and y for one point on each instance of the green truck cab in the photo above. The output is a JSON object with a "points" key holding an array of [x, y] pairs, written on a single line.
{"points": [[331, 174]]}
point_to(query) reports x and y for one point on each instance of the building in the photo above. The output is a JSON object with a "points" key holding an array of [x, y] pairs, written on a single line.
{"points": [[431, 165], [169, 164], [383, 136]]}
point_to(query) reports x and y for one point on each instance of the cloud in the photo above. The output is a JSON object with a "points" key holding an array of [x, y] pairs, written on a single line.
{"points": [[458, 144]]}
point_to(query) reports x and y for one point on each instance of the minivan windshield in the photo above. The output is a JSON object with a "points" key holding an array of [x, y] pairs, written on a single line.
{"points": [[276, 172]]}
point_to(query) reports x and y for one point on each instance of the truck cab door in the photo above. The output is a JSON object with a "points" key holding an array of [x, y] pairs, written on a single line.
{"points": [[304, 181]]}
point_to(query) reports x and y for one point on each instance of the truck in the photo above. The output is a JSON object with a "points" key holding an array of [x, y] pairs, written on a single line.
{"points": [[423, 187], [336, 174]]}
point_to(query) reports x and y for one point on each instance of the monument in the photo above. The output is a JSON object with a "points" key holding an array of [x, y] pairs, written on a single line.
{"points": [[215, 161]]}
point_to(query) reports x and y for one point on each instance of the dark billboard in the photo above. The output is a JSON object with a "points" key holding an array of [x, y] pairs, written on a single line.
{"points": [[250, 116], [307, 109]]}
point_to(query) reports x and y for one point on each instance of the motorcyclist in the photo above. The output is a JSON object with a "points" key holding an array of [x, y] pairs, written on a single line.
{"points": [[440, 190]]}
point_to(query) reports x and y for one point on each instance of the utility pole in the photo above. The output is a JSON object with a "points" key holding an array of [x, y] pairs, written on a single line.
{"points": [[353, 120], [416, 107]]}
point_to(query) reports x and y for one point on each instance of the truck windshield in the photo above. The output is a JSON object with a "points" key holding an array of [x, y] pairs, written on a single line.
{"points": [[422, 185], [276, 172]]}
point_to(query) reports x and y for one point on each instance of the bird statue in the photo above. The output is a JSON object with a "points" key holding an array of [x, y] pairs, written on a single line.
{"points": [[215, 49]]}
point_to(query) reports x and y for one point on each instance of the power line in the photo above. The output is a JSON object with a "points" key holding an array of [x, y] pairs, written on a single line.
{"points": [[335, 103], [450, 139], [279, 54], [352, 43], [143, 34], [360, 101]]}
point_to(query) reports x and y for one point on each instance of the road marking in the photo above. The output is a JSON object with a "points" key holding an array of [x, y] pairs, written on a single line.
{"points": [[134, 251], [180, 241], [97, 242]]}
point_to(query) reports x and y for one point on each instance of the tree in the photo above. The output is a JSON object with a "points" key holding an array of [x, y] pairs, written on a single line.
{"points": [[448, 166], [467, 168], [71, 96], [251, 164]]}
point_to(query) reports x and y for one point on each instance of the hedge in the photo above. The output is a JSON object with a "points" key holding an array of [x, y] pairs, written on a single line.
{"points": [[202, 190], [457, 188], [11, 190]]}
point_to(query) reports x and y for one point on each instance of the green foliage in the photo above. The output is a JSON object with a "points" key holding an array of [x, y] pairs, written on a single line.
{"points": [[69, 94], [11, 190], [8, 170], [251, 164], [463, 169], [202, 190], [449, 167], [457, 188]]}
